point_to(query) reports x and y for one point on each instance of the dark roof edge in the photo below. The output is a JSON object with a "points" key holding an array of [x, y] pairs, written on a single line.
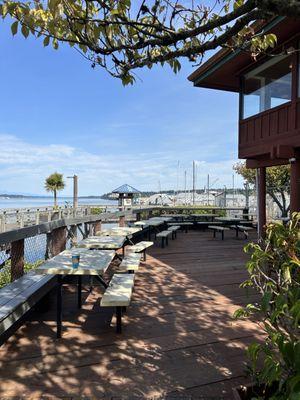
{"points": [[224, 55]]}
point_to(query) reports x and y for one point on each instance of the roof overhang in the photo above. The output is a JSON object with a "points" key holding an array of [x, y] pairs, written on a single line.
{"points": [[222, 71]]}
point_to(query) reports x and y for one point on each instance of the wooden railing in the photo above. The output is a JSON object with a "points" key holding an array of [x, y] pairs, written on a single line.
{"points": [[59, 231], [259, 133]]}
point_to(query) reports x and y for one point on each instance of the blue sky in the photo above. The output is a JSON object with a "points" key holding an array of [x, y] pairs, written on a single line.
{"points": [[58, 114]]}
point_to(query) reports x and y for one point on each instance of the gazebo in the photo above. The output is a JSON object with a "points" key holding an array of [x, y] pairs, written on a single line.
{"points": [[126, 194]]}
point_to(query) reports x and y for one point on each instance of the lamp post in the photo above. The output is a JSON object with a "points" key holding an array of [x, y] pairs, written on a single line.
{"points": [[75, 191]]}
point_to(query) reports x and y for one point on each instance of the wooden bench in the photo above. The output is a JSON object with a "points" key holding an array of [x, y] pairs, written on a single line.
{"points": [[220, 229], [139, 247], [174, 230], [164, 235], [241, 228], [204, 224], [182, 225], [130, 263], [118, 294], [19, 297]]}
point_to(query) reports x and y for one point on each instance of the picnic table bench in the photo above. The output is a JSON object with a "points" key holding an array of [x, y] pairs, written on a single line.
{"points": [[174, 229], [204, 224], [19, 297], [220, 229], [130, 263], [140, 247], [118, 294], [184, 225], [164, 235], [241, 228]]}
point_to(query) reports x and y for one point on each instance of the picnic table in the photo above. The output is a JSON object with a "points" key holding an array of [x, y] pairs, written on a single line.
{"points": [[118, 231], [207, 217], [103, 242], [229, 220], [92, 263], [128, 232], [150, 223]]}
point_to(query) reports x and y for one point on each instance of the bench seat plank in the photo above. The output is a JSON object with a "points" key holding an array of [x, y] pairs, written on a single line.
{"points": [[174, 228], [119, 291], [139, 247], [34, 287], [164, 234], [130, 262], [218, 228]]}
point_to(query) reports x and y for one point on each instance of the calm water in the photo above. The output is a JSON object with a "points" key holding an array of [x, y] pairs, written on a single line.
{"points": [[48, 201]]}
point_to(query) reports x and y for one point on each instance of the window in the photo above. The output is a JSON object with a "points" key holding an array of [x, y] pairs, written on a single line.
{"points": [[267, 86]]}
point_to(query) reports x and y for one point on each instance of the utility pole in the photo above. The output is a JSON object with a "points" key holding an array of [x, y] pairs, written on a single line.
{"points": [[194, 182], [177, 183], [185, 187], [233, 195], [208, 189], [75, 191]]}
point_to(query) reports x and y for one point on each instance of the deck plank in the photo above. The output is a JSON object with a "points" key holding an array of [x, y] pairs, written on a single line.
{"points": [[179, 338]]}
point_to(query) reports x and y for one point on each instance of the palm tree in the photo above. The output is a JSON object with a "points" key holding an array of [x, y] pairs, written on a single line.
{"points": [[54, 183]]}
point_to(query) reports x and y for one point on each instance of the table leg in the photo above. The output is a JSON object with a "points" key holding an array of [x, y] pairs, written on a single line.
{"points": [[79, 288], [59, 307]]}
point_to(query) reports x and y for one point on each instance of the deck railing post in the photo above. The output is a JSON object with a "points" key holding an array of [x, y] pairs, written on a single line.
{"points": [[37, 217], [122, 221], [4, 221], [74, 232], [17, 259], [97, 227], [56, 241], [86, 229]]}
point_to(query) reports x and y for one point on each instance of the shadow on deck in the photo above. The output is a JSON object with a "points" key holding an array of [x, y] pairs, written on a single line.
{"points": [[179, 339]]}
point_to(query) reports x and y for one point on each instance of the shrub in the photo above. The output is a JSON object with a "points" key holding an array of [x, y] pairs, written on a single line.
{"points": [[5, 271], [274, 271], [96, 210]]}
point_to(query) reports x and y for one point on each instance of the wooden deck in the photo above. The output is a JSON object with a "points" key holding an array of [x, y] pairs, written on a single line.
{"points": [[179, 339]]}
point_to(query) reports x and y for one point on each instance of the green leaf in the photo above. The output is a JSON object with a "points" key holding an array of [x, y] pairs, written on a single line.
{"points": [[46, 41], [14, 28], [25, 31]]}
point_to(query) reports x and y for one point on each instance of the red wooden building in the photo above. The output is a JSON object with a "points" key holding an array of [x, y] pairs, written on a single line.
{"points": [[269, 112]]}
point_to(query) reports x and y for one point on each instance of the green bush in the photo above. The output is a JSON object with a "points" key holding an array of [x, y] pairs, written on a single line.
{"points": [[96, 210], [5, 271], [274, 272]]}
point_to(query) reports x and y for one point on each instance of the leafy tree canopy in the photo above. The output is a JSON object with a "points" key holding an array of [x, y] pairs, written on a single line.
{"points": [[277, 182], [123, 35]]}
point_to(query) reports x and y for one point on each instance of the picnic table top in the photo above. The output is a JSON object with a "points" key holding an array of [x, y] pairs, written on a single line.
{"points": [[92, 262], [103, 242], [118, 231], [204, 215], [176, 215], [229, 219], [153, 222]]}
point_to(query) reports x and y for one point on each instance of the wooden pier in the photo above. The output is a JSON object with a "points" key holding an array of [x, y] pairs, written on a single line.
{"points": [[179, 338]]}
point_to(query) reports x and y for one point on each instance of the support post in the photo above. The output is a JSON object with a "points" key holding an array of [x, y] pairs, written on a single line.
{"points": [[122, 221], [74, 233], [295, 186], [17, 259], [56, 240], [261, 200], [97, 227]]}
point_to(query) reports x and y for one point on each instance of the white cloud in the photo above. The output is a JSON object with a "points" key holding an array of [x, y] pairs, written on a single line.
{"points": [[24, 166]]}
